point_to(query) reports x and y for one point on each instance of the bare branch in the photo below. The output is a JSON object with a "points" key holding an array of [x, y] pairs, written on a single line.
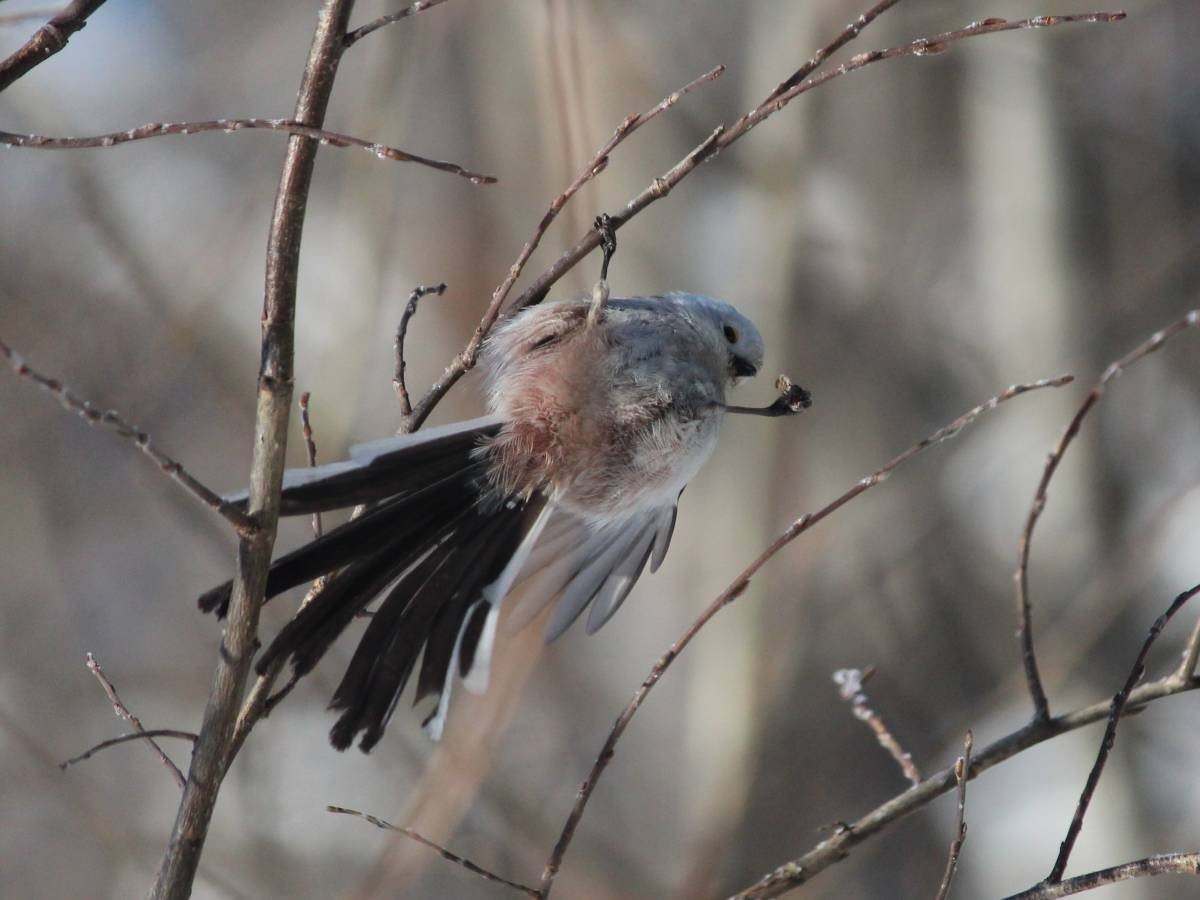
{"points": [[715, 143], [410, 310], [1110, 735], [838, 846], [362, 31], [310, 448], [735, 590], [140, 735], [962, 766], [850, 687], [219, 738], [466, 359], [122, 712], [446, 854], [112, 420], [1163, 864], [1024, 616], [229, 126], [47, 40]]}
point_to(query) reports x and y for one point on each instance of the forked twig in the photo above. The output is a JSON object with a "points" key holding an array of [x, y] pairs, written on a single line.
{"points": [[112, 420], [1110, 734], [122, 711], [1024, 613], [465, 360], [229, 126], [735, 590], [1160, 864], [446, 854]]}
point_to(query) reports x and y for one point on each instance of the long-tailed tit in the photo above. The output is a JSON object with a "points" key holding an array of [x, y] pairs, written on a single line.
{"points": [[567, 489]]}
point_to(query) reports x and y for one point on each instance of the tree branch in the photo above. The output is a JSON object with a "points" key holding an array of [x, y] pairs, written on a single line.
{"points": [[123, 712], [962, 766], [1110, 735], [735, 590], [1024, 616], [775, 101], [362, 31], [214, 749], [229, 126], [139, 735], [850, 687], [446, 854], [1163, 864], [112, 420], [410, 310], [838, 846], [465, 360], [47, 40]]}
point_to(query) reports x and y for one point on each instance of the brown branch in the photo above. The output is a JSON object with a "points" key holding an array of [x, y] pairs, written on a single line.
{"points": [[1162, 864], [47, 40], [122, 712], [216, 745], [774, 102], [962, 766], [362, 31], [838, 846], [310, 447], [735, 590], [112, 420], [850, 687], [229, 126], [445, 854], [140, 735], [466, 359], [1024, 615], [1110, 735], [410, 310]]}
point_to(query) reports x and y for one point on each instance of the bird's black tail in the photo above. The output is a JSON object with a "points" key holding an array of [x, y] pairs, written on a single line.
{"points": [[438, 546]]}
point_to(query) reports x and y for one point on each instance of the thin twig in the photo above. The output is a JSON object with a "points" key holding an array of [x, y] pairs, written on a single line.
{"points": [[838, 846], [446, 854], [112, 420], [310, 447], [1110, 735], [218, 739], [362, 31], [410, 310], [962, 766], [229, 126], [465, 360], [850, 687], [735, 590], [1162, 864], [709, 148], [47, 40], [122, 712], [1024, 615], [141, 735]]}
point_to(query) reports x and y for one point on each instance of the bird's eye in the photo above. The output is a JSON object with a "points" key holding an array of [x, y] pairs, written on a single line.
{"points": [[731, 334]]}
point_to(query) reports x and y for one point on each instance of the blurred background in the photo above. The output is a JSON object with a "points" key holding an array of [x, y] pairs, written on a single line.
{"points": [[911, 239]]}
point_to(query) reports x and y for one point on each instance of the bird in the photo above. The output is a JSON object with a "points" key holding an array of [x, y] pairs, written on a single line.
{"points": [[599, 413]]}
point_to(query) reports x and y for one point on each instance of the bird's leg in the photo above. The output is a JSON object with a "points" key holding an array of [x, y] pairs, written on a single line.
{"points": [[608, 246], [792, 399]]}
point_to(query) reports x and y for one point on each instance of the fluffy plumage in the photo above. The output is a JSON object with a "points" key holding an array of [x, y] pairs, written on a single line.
{"points": [[568, 487]]}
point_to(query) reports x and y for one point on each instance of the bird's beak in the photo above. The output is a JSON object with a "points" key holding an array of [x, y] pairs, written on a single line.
{"points": [[743, 368]]}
